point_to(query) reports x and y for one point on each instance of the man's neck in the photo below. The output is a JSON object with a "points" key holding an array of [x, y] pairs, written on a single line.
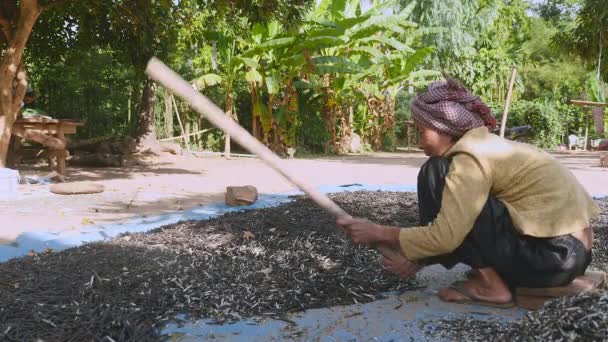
{"points": [[447, 148]]}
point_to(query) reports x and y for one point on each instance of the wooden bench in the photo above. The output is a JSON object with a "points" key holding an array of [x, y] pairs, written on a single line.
{"points": [[48, 132]]}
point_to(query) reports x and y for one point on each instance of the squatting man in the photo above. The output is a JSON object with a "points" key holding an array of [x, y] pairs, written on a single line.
{"points": [[510, 211]]}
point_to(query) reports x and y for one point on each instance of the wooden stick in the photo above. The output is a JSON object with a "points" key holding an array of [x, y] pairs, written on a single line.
{"points": [[588, 103], [172, 81], [503, 124], [187, 135], [586, 130], [222, 153], [181, 126], [168, 78]]}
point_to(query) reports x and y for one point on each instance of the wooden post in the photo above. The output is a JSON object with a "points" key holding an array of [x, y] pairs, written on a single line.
{"points": [[586, 130], [409, 137], [228, 111], [410, 88], [61, 153], [181, 126], [503, 124]]}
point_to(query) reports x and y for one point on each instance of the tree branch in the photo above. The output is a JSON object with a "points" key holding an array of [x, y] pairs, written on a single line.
{"points": [[136, 19], [11, 68]]}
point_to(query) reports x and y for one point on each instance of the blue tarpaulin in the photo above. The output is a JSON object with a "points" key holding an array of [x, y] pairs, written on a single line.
{"points": [[399, 317]]}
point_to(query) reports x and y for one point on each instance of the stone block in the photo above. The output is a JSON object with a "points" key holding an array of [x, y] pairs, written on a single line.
{"points": [[241, 195]]}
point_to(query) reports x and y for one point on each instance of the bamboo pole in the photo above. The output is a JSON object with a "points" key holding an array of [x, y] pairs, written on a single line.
{"points": [[160, 72], [181, 126], [588, 103], [599, 60], [188, 135], [168, 78], [221, 154], [505, 113]]}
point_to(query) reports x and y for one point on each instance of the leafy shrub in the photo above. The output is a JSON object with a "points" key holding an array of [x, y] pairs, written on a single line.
{"points": [[403, 114], [544, 117]]}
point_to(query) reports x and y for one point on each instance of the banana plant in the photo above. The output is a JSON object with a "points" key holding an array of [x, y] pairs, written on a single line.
{"points": [[368, 57], [231, 67], [272, 68], [343, 54]]}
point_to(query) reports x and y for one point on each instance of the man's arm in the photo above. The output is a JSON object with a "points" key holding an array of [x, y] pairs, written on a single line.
{"points": [[466, 191]]}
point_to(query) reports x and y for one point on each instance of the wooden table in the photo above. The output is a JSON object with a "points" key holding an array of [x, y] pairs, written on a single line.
{"points": [[48, 132]]}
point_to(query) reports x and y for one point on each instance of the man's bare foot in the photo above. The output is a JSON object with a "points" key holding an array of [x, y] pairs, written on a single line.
{"points": [[486, 286], [471, 274]]}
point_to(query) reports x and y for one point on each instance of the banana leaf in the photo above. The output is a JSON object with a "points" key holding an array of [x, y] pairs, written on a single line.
{"points": [[208, 80]]}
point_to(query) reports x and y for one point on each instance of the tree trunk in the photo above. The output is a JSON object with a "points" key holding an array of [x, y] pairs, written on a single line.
{"points": [[329, 114], [6, 127], [145, 134], [343, 141], [268, 121], [375, 134], [387, 115], [13, 81], [598, 119], [351, 118]]}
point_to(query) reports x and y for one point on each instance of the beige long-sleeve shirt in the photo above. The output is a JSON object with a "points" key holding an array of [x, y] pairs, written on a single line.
{"points": [[543, 197]]}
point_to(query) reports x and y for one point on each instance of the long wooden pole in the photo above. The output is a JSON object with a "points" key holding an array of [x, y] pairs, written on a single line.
{"points": [[168, 78], [181, 126], [172, 81], [505, 113]]}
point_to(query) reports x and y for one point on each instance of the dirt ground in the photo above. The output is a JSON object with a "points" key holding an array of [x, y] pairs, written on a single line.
{"points": [[172, 183]]}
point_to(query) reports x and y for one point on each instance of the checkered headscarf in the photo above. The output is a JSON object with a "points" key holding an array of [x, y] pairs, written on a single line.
{"points": [[448, 107]]}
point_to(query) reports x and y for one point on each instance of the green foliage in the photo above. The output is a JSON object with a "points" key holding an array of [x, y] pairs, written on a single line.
{"points": [[389, 141], [545, 119], [548, 68], [595, 89], [402, 114], [86, 61], [90, 86], [588, 34], [71, 78], [477, 42], [312, 134], [557, 11]]}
